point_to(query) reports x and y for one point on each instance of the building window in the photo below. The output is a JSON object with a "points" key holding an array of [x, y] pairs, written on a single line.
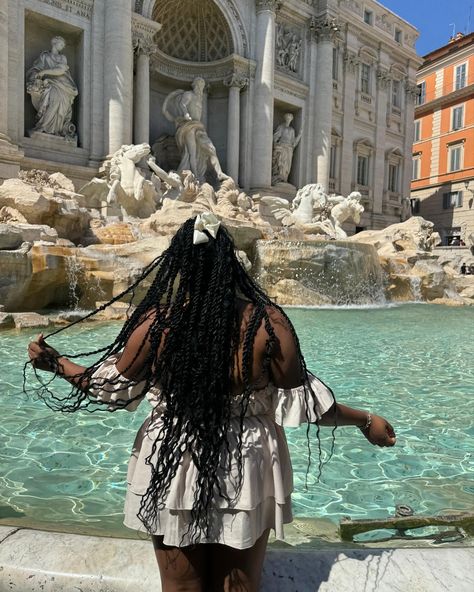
{"points": [[365, 79], [421, 93], [455, 158], [417, 137], [393, 178], [452, 199], [415, 172], [457, 117], [460, 76], [362, 170], [333, 162], [398, 35], [397, 94], [368, 17], [335, 64], [415, 205]]}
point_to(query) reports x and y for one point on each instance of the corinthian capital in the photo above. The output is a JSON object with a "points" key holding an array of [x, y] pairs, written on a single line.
{"points": [[324, 28], [236, 80], [272, 5], [412, 91], [143, 44]]}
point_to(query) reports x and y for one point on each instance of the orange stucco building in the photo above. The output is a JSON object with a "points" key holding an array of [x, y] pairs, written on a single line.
{"points": [[442, 188]]}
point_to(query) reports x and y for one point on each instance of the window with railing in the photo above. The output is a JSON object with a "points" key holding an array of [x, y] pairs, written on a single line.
{"points": [[457, 117], [460, 76]]}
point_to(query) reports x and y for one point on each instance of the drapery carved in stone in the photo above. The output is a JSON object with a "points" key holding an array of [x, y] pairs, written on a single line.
{"points": [[193, 31], [287, 49]]}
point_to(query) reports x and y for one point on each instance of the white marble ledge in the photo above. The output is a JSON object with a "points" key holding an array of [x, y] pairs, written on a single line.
{"points": [[33, 560]]}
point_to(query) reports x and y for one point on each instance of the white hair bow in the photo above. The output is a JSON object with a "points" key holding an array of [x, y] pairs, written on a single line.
{"points": [[206, 221]]}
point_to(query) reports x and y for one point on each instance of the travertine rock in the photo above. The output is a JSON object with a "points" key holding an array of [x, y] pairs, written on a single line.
{"points": [[41, 205]]}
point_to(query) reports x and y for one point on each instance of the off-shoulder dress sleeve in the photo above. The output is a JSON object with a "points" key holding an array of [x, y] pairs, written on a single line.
{"points": [[296, 406], [109, 386]]}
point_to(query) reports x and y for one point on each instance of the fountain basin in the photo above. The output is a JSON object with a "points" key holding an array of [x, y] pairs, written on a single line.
{"points": [[332, 272]]}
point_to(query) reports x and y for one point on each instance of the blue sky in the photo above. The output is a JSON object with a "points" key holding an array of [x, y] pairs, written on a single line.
{"points": [[434, 18]]}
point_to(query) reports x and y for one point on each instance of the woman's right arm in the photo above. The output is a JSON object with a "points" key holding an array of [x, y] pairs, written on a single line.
{"points": [[286, 373]]}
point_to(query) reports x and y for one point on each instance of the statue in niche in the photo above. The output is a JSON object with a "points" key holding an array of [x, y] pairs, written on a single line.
{"points": [[285, 141], [52, 90], [198, 153]]}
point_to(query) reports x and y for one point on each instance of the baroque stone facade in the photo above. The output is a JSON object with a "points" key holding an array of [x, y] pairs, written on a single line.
{"points": [[344, 69]]}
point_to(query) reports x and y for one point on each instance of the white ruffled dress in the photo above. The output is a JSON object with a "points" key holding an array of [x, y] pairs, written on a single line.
{"points": [[264, 498]]}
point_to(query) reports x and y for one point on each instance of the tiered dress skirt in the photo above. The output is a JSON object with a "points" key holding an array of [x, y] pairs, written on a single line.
{"points": [[259, 500]]}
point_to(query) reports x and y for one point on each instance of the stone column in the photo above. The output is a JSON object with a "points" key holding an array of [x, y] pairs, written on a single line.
{"points": [[351, 65], [118, 74], [4, 70], [144, 48], [262, 136], [378, 187], [310, 174], [235, 83], [326, 29]]}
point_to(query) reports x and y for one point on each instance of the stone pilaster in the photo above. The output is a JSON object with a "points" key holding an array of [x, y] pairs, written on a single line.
{"points": [[326, 30], [351, 65], [143, 33], [378, 185], [236, 82], [9, 153], [262, 136], [118, 76], [411, 94]]}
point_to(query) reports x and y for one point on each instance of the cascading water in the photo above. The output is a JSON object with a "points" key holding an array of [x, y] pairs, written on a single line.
{"points": [[74, 272], [320, 272]]}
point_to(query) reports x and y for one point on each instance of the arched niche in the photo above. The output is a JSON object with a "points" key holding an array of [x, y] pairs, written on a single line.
{"points": [[228, 8]]}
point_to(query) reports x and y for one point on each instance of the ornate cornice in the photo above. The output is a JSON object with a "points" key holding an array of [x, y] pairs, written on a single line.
{"points": [[236, 80], [324, 28], [272, 5], [212, 72], [143, 35], [80, 7]]}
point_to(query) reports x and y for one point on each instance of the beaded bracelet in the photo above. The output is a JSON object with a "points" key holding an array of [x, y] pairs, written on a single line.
{"points": [[368, 423]]}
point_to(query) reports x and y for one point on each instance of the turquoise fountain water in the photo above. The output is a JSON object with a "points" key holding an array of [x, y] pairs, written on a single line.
{"points": [[411, 363]]}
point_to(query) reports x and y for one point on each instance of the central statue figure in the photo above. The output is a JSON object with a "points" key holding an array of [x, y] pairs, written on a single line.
{"points": [[198, 153]]}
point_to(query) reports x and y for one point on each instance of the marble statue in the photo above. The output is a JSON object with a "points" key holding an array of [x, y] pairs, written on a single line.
{"points": [[181, 186], [285, 141], [198, 153], [313, 211], [288, 49], [126, 184], [52, 90]]}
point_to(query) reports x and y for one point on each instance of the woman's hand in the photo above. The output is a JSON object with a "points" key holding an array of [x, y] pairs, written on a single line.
{"points": [[379, 432], [43, 356]]}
